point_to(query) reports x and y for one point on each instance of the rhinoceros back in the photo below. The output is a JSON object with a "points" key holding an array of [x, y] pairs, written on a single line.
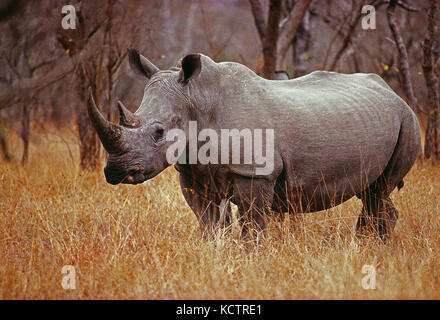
{"points": [[337, 133]]}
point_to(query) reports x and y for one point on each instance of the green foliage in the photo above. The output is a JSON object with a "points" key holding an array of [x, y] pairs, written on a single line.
{"points": [[308, 58]]}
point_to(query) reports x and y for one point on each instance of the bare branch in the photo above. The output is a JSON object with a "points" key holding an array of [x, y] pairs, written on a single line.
{"points": [[289, 29], [347, 41], [348, 36], [270, 41], [432, 137], [35, 86], [402, 54], [259, 19], [42, 64], [407, 7], [12, 67]]}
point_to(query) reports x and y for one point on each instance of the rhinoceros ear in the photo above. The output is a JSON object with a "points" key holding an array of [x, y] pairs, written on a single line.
{"points": [[141, 65], [191, 66]]}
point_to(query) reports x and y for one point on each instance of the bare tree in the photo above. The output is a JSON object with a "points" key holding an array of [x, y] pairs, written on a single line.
{"points": [[274, 35], [289, 29], [352, 21], [271, 39], [21, 55], [88, 70], [96, 54], [404, 70], [302, 41], [3, 144], [432, 137]]}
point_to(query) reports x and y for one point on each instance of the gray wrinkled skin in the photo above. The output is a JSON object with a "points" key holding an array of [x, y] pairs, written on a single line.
{"points": [[336, 136]]}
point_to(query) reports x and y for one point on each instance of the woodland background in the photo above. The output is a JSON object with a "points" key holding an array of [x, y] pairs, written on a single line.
{"points": [[45, 70], [143, 241]]}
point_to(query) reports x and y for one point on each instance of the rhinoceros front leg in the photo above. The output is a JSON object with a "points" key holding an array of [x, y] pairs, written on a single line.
{"points": [[253, 198], [206, 205]]}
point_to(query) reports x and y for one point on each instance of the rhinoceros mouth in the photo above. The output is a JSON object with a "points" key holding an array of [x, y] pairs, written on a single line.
{"points": [[137, 177], [134, 179]]}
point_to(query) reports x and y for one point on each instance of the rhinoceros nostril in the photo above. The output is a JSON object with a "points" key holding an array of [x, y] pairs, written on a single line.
{"points": [[139, 177], [129, 179], [134, 177]]}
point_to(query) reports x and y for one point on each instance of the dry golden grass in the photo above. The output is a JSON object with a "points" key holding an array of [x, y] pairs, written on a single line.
{"points": [[143, 242]]}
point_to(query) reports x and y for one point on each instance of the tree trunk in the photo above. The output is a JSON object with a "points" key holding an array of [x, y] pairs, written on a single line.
{"points": [[259, 19], [289, 29], [270, 40], [432, 136], [276, 42], [4, 146], [300, 45], [402, 54], [89, 140], [347, 40], [25, 129]]}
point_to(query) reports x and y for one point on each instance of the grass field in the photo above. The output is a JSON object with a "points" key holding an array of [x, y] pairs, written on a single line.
{"points": [[143, 242]]}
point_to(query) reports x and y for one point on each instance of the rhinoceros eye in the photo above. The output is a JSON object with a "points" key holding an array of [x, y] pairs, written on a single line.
{"points": [[158, 131]]}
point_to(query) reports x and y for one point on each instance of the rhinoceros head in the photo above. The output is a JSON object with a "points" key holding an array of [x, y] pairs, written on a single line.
{"points": [[137, 146]]}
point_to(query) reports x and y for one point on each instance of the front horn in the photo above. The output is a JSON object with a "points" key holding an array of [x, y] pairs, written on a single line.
{"points": [[109, 133]]}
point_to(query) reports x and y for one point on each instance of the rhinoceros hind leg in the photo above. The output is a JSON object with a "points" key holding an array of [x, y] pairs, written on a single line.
{"points": [[378, 215], [379, 211]]}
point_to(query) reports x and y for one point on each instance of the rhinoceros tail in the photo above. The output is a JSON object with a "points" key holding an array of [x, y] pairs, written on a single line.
{"points": [[400, 185]]}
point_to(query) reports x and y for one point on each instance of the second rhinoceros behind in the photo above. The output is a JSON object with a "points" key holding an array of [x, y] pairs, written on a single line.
{"points": [[334, 136]]}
